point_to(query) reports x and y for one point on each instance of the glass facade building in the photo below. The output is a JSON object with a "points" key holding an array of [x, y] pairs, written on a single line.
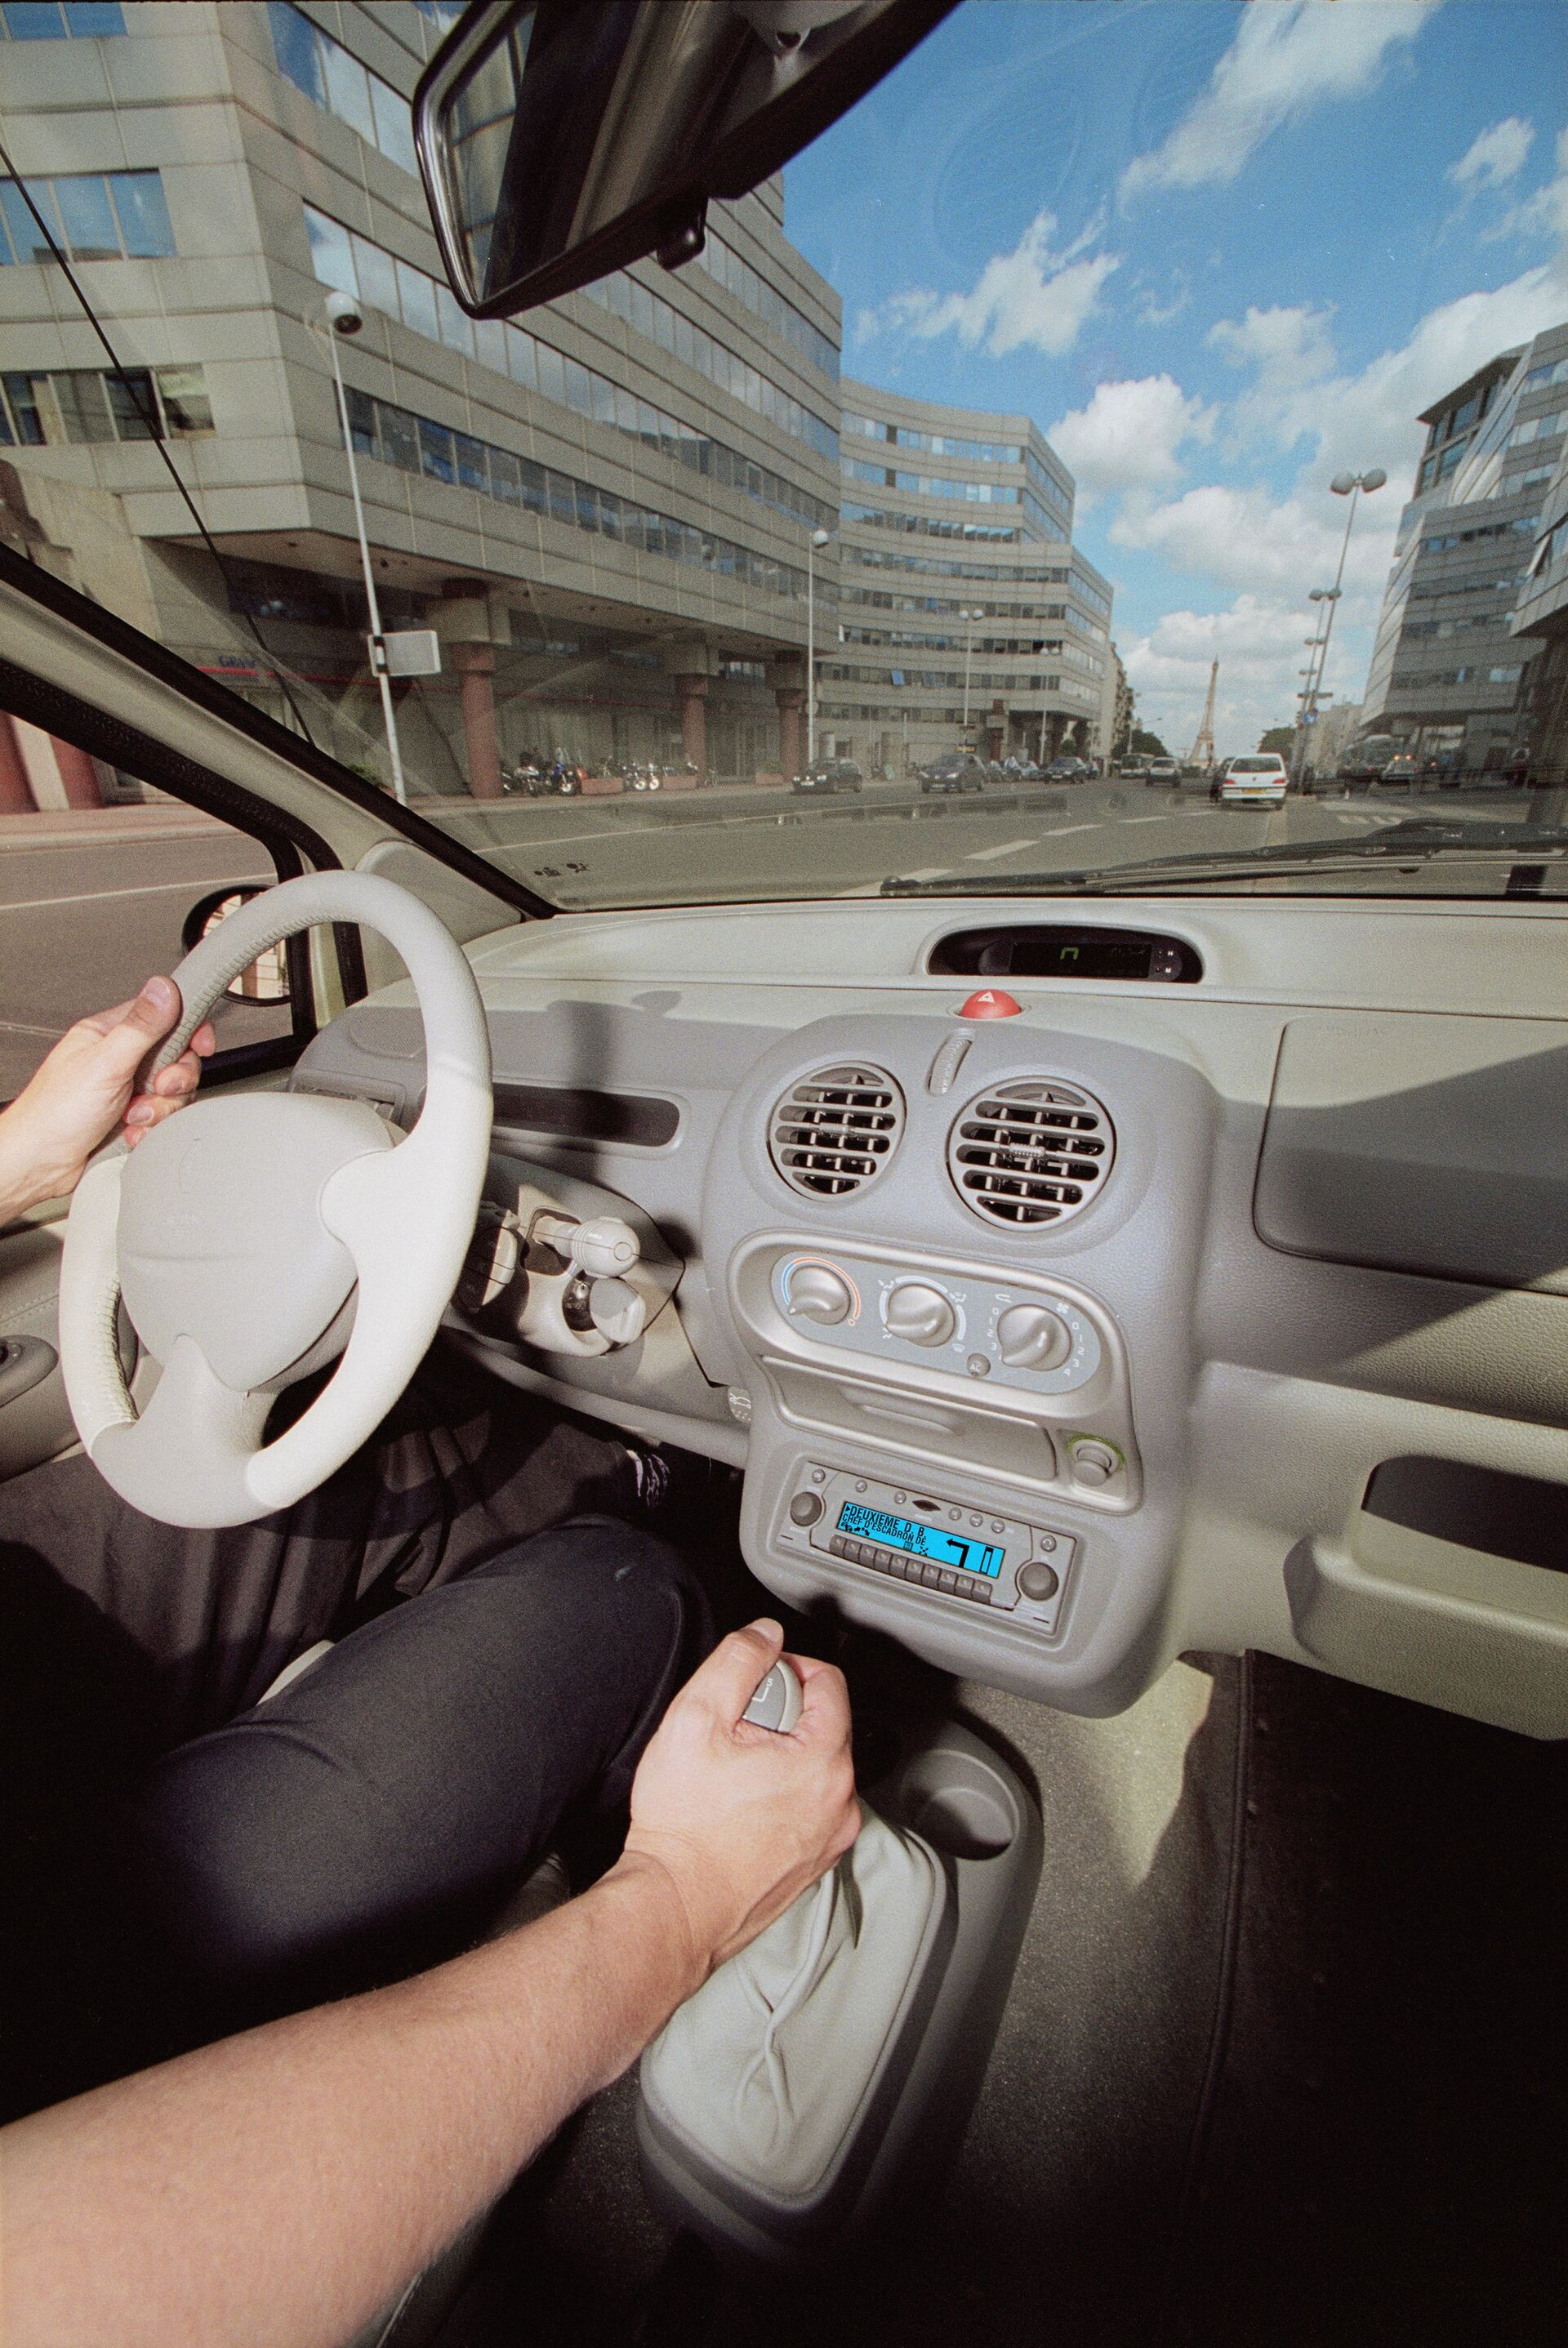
{"points": [[964, 612]]}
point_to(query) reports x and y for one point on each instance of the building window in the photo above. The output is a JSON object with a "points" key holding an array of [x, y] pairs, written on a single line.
{"points": [[792, 326], [417, 443], [91, 215], [353, 265], [20, 21], [325, 71], [40, 411]]}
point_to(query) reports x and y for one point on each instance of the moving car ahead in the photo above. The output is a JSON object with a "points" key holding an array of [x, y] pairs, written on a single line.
{"points": [[1162, 770], [1257, 780], [1405, 768]]}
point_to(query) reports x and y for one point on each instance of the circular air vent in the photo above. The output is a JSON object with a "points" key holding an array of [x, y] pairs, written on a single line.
{"points": [[836, 1128], [1031, 1152]]}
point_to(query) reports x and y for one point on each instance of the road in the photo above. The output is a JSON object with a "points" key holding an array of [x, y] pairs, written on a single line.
{"points": [[89, 904], [719, 844]]}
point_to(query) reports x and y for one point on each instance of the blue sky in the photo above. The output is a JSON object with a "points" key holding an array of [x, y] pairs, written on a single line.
{"points": [[1219, 252]]}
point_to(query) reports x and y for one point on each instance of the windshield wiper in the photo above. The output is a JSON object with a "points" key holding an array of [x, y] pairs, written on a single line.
{"points": [[1406, 845]]}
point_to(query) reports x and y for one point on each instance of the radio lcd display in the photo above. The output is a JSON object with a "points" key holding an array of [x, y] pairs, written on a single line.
{"points": [[920, 1541]]}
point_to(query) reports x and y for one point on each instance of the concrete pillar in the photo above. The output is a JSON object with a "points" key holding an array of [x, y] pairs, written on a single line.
{"points": [[15, 797], [475, 665], [791, 701], [693, 692], [995, 726], [79, 773]]}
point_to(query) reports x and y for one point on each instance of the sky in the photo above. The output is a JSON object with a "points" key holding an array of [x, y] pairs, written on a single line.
{"points": [[1220, 253]]}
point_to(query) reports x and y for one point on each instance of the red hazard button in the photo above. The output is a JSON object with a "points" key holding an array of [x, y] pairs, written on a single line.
{"points": [[989, 1003]]}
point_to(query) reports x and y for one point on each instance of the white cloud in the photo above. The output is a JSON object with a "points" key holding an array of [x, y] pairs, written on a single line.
{"points": [[1245, 539], [1127, 436], [1259, 644], [1288, 56], [1029, 296], [1545, 213], [1291, 345], [1496, 156]]}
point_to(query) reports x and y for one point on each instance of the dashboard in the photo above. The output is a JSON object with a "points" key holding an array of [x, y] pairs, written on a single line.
{"points": [[1062, 1323]]}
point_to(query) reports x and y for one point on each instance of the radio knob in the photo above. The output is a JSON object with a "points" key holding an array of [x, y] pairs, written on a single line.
{"points": [[820, 1294], [919, 1314], [1033, 1337]]}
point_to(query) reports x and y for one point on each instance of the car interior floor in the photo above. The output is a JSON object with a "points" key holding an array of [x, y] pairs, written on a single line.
{"points": [[1285, 2054]]}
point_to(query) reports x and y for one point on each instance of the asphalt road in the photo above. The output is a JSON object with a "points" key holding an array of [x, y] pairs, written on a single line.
{"points": [[719, 844], [85, 918]]}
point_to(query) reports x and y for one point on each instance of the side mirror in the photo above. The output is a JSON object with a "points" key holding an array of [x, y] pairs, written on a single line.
{"points": [[267, 978], [559, 140]]}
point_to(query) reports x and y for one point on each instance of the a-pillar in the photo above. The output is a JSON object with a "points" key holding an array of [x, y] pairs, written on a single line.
{"points": [[791, 700], [693, 692], [475, 665], [16, 796]]}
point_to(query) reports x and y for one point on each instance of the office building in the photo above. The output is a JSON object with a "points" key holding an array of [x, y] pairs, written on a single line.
{"points": [[1540, 620], [621, 575], [964, 614], [1448, 674]]}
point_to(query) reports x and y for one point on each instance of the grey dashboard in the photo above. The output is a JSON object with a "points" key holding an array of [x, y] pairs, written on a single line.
{"points": [[1054, 1344]]}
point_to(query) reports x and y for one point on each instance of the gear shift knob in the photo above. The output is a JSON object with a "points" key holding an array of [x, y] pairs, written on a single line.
{"points": [[778, 1703]]}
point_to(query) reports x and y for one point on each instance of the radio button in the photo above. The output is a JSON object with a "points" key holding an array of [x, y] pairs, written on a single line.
{"points": [[1039, 1580], [805, 1508]]}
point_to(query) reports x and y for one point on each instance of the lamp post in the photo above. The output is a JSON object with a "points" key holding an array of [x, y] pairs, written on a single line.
{"points": [[969, 619], [817, 538], [343, 316], [1343, 485]]}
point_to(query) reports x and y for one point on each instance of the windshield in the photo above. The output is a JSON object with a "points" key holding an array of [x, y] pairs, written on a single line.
{"points": [[1052, 420]]}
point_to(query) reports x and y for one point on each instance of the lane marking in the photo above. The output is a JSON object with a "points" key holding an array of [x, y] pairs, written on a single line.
{"points": [[1062, 830], [1145, 819], [937, 872], [1008, 847], [104, 896]]}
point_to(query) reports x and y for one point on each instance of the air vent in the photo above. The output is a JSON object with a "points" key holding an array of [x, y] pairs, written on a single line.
{"points": [[835, 1129], [1031, 1152]]}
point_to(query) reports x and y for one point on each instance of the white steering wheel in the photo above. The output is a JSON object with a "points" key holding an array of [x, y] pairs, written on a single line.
{"points": [[249, 1236]]}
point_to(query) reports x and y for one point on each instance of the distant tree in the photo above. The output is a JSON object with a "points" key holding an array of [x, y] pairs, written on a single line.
{"points": [[1279, 738], [1145, 744]]}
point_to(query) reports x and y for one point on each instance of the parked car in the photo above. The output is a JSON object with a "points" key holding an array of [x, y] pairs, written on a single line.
{"points": [[830, 774], [1067, 770], [1161, 770], [953, 776], [1258, 780]]}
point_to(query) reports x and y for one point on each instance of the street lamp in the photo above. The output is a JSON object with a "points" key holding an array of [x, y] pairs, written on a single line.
{"points": [[968, 618], [1343, 485], [344, 318], [819, 538]]}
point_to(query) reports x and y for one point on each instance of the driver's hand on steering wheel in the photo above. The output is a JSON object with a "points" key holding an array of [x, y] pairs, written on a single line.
{"points": [[84, 1090]]}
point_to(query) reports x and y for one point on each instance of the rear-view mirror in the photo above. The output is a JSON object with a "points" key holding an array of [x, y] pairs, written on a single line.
{"points": [[562, 139]]}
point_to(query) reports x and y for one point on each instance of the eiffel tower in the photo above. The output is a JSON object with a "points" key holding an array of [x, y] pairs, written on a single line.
{"points": [[1203, 747]]}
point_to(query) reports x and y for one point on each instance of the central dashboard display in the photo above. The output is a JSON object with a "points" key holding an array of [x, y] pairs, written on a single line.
{"points": [[920, 1540]]}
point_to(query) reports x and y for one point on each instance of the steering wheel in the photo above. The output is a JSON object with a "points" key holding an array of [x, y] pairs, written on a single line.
{"points": [[249, 1236]]}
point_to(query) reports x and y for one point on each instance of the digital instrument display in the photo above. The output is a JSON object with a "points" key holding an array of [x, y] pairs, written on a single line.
{"points": [[920, 1541]]}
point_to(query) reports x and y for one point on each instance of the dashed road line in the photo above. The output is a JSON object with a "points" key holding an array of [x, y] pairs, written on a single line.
{"points": [[1007, 847]]}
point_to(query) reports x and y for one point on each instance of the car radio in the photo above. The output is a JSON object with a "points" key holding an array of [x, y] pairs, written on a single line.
{"points": [[909, 1534]]}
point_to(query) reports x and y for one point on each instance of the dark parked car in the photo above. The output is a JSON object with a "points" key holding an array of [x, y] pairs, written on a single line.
{"points": [[953, 776], [831, 775]]}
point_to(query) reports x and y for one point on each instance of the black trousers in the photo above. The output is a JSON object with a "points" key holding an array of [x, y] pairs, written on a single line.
{"points": [[183, 1860]]}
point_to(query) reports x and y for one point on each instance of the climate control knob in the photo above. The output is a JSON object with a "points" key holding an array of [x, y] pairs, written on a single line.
{"points": [[919, 1314], [819, 1293], [1033, 1337]]}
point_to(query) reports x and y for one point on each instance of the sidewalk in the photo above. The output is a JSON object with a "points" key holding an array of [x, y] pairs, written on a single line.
{"points": [[89, 827]]}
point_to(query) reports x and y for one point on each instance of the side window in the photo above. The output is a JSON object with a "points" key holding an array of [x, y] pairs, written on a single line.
{"points": [[105, 879]]}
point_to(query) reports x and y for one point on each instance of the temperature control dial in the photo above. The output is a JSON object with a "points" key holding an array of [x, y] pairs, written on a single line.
{"points": [[919, 1314], [1033, 1337], [818, 1292]]}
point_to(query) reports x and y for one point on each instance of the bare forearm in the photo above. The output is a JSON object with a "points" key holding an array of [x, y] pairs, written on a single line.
{"points": [[362, 2136]]}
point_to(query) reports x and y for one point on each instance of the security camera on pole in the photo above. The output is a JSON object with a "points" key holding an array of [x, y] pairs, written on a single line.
{"points": [[1343, 485]]}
